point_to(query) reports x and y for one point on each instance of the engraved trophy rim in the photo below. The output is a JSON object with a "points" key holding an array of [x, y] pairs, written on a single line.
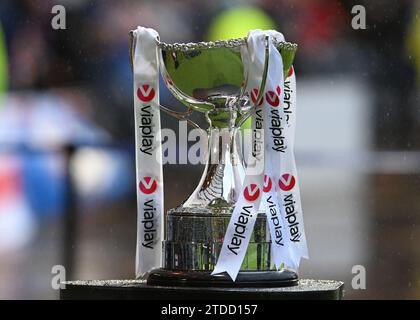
{"points": [[226, 43]]}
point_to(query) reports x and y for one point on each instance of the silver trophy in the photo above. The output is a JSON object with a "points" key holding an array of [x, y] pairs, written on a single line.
{"points": [[209, 77]]}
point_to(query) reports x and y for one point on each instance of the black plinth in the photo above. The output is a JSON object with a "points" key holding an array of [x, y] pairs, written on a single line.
{"points": [[138, 289], [245, 279]]}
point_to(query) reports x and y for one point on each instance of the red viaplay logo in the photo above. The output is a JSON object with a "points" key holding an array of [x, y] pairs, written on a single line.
{"points": [[291, 70], [287, 182], [272, 98], [254, 97], [148, 185], [146, 93], [252, 192], [268, 183]]}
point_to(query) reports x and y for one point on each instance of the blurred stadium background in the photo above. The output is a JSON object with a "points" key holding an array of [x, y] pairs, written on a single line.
{"points": [[67, 191]]}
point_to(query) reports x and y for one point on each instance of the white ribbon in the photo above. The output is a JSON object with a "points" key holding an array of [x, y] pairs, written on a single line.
{"points": [[241, 224], [275, 148], [149, 176], [274, 121], [288, 186]]}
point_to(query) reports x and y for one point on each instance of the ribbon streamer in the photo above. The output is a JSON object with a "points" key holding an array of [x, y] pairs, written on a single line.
{"points": [[241, 224], [288, 184], [149, 173]]}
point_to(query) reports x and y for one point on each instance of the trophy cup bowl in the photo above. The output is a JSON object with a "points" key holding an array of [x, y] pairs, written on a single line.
{"points": [[209, 77]]}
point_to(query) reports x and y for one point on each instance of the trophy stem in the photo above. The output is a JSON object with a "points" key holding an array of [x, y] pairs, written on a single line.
{"points": [[223, 174]]}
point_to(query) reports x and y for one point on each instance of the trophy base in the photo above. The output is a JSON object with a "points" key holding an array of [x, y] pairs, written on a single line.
{"points": [[249, 279], [138, 290]]}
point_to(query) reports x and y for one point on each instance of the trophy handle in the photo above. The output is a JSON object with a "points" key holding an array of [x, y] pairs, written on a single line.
{"points": [[244, 117], [177, 115], [182, 116]]}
